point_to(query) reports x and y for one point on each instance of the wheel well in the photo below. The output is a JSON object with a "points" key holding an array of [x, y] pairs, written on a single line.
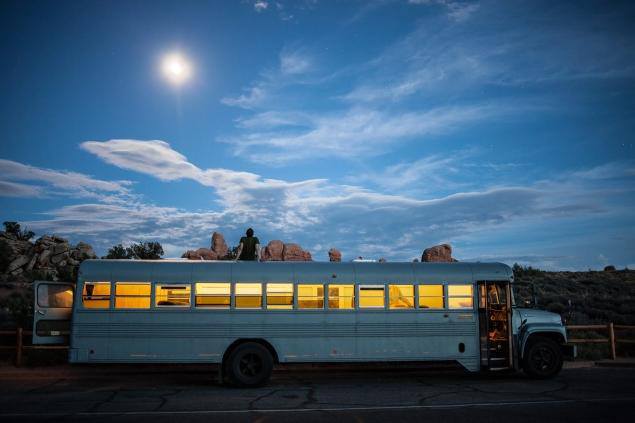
{"points": [[262, 342], [554, 336]]}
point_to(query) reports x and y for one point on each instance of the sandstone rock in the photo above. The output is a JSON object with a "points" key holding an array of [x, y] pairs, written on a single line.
{"points": [[438, 253], [200, 254], [17, 263], [58, 258], [43, 258], [60, 248], [335, 255], [32, 262], [219, 246], [293, 252], [273, 251]]}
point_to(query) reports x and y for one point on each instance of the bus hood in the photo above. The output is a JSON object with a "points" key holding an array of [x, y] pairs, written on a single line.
{"points": [[532, 315]]}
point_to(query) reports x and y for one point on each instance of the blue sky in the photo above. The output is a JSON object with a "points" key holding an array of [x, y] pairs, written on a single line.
{"points": [[377, 127]]}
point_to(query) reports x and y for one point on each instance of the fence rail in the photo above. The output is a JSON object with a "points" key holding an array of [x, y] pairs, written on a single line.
{"points": [[611, 339], [19, 346], [610, 328]]}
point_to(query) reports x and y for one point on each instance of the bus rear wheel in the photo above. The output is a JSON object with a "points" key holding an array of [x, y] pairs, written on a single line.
{"points": [[249, 365], [543, 358]]}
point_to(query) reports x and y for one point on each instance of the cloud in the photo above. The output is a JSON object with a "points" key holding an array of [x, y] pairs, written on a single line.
{"points": [[349, 133], [456, 10], [537, 48], [293, 62], [260, 5], [14, 189], [321, 212], [243, 193], [54, 182], [252, 98]]}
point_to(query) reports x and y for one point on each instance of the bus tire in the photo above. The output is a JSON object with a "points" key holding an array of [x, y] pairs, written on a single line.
{"points": [[249, 365], [542, 359]]}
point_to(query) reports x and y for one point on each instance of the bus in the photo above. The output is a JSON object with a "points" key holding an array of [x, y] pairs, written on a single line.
{"points": [[249, 316]]}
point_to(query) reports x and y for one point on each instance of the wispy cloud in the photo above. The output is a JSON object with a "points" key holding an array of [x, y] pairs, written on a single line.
{"points": [[16, 189], [53, 182], [260, 5], [456, 10], [294, 62], [349, 133]]}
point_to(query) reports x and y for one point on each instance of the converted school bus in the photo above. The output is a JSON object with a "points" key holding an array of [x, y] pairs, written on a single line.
{"points": [[247, 316]]}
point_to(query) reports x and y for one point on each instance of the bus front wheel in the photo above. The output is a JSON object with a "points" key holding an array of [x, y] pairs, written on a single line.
{"points": [[249, 365], [543, 358]]}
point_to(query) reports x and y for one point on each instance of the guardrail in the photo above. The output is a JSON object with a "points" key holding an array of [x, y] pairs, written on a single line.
{"points": [[611, 340], [20, 347]]}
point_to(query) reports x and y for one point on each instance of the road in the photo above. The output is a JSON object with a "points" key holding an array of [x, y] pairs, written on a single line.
{"points": [[191, 394]]}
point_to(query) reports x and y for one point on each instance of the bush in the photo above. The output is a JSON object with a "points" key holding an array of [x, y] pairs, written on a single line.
{"points": [[147, 250], [13, 228], [118, 252], [141, 251], [19, 307]]}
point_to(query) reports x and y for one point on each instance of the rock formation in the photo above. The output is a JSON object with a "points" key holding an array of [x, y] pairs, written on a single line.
{"points": [[438, 253], [273, 251], [335, 255], [218, 250], [293, 252], [219, 246], [50, 257], [277, 250]]}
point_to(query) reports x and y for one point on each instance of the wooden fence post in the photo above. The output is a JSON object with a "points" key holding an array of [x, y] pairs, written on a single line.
{"points": [[612, 341], [18, 347]]}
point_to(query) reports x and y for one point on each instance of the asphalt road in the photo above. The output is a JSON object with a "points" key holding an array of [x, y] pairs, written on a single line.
{"points": [[191, 394]]}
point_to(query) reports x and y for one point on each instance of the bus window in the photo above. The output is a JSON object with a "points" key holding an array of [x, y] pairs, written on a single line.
{"points": [[310, 296], [371, 296], [460, 296], [342, 296], [248, 295], [132, 295], [280, 296], [213, 295], [173, 295], [401, 296], [431, 296], [54, 296], [96, 295]]}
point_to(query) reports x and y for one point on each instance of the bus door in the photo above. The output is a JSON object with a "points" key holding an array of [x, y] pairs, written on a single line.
{"points": [[52, 312], [494, 311]]}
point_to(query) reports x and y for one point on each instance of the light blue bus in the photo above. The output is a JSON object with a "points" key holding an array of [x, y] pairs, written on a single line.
{"points": [[248, 316]]}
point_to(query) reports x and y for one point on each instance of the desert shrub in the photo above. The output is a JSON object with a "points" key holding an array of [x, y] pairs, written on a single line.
{"points": [[13, 228], [117, 252], [147, 250], [18, 306], [142, 251]]}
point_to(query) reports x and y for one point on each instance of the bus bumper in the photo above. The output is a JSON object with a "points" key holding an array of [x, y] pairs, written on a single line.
{"points": [[569, 351]]}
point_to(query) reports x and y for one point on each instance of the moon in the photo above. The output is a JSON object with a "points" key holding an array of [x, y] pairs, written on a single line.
{"points": [[176, 68]]}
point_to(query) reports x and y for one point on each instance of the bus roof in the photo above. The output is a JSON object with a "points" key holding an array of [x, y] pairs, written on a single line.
{"points": [[172, 271]]}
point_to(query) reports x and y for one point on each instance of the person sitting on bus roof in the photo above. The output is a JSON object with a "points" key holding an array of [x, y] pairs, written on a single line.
{"points": [[249, 247]]}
